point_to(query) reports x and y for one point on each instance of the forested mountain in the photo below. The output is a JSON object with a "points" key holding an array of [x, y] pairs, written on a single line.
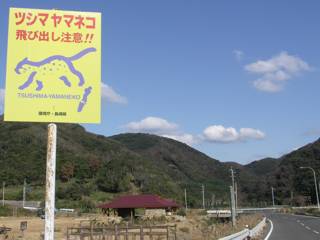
{"points": [[97, 167], [88, 163], [292, 184]]}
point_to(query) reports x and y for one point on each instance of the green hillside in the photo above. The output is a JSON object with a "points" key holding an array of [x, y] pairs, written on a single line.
{"points": [[93, 168], [188, 167], [292, 184]]}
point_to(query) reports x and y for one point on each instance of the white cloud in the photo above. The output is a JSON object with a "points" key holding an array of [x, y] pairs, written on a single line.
{"points": [[218, 133], [152, 125], [275, 71], [238, 54], [221, 134], [111, 95], [214, 133], [186, 138], [161, 127], [2, 92], [247, 133]]}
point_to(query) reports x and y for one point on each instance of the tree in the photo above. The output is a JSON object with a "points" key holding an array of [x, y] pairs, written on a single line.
{"points": [[67, 171]]}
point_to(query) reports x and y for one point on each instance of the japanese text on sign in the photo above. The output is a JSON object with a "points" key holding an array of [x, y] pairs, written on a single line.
{"points": [[53, 66]]}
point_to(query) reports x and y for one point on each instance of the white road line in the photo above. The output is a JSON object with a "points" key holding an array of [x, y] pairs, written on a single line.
{"points": [[271, 229], [298, 220], [308, 228], [315, 232], [302, 224]]}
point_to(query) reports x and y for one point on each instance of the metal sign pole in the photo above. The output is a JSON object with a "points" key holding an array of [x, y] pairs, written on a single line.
{"points": [[50, 182]]}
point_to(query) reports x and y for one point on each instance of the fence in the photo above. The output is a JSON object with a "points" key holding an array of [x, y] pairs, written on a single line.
{"points": [[13, 203], [166, 232]]}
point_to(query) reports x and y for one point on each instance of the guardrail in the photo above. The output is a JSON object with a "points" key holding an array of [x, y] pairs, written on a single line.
{"points": [[237, 236], [244, 234], [278, 207], [257, 229]]}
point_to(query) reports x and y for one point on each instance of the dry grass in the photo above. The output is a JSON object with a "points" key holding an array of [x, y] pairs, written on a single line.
{"points": [[36, 227], [194, 227]]}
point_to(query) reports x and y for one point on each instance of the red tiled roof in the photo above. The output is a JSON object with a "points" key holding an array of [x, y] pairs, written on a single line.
{"points": [[140, 201]]}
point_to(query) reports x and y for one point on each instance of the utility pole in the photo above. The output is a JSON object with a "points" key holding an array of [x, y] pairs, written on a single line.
{"points": [[232, 177], [3, 186], [234, 188], [185, 198], [318, 195], [203, 203], [236, 196], [24, 193], [319, 185], [233, 210], [291, 198], [213, 201], [272, 196]]}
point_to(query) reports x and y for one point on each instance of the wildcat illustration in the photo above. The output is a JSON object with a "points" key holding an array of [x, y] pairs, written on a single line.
{"points": [[59, 66]]}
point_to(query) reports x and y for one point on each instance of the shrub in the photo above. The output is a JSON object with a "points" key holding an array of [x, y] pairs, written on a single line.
{"points": [[87, 205], [5, 211], [181, 212]]}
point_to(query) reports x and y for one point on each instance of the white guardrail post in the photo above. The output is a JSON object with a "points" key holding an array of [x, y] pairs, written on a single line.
{"points": [[244, 234]]}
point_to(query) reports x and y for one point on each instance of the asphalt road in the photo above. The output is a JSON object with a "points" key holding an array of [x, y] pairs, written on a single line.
{"points": [[294, 227]]}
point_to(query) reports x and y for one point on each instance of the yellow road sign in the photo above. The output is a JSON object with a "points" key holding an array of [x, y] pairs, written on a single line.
{"points": [[53, 66]]}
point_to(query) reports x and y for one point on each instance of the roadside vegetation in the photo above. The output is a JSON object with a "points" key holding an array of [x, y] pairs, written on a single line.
{"points": [[200, 227], [308, 211], [194, 226]]}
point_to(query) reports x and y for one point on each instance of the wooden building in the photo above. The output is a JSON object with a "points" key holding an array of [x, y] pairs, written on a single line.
{"points": [[125, 206]]}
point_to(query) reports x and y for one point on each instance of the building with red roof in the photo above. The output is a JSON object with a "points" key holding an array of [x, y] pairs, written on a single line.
{"points": [[125, 206]]}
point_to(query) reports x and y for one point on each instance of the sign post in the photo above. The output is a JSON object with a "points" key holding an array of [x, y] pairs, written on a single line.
{"points": [[23, 227], [50, 182]]}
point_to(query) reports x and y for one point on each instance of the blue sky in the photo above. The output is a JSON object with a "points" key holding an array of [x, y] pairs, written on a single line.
{"points": [[236, 80]]}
